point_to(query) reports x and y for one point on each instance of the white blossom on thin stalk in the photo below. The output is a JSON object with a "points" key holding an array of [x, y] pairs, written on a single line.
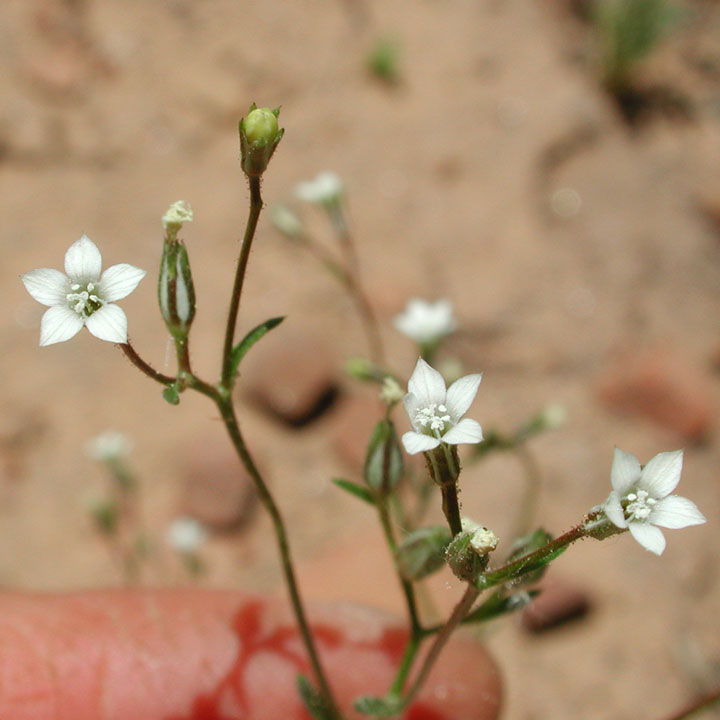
{"points": [[641, 501], [436, 414], [326, 188], [81, 296], [426, 322], [185, 535]]}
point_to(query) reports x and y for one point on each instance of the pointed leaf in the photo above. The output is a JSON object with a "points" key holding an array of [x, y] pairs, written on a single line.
{"points": [[359, 491], [239, 351], [500, 604]]}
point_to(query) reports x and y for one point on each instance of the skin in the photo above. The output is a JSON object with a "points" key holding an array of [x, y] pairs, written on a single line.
{"points": [[209, 655]]}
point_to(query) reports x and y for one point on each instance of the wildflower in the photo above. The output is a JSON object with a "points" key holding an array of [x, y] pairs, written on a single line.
{"points": [[325, 189], [391, 392], [482, 540], [185, 535], [108, 446], [426, 322], [435, 413], [82, 296], [641, 499]]}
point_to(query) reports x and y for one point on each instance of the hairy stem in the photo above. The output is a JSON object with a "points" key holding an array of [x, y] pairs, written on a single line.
{"points": [[256, 205], [144, 367]]}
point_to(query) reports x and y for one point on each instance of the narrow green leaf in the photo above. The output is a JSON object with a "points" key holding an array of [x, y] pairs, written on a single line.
{"points": [[313, 701], [500, 604], [358, 491], [240, 350]]}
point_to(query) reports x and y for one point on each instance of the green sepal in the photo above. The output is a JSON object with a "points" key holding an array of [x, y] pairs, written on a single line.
{"points": [[379, 707], [527, 544], [354, 489], [312, 700], [500, 604], [383, 461], [171, 394], [240, 350], [422, 552]]}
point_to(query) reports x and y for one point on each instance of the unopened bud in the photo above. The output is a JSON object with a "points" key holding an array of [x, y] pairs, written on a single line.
{"points": [[176, 292], [259, 136], [384, 461]]}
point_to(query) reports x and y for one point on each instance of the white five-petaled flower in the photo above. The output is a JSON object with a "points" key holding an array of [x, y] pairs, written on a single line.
{"points": [[641, 501], [426, 322], [82, 296], [435, 413], [325, 188]]}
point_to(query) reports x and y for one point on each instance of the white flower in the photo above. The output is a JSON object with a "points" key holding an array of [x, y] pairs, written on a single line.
{"points": [[286, 221], [641, 499], [185, 535], [108, 446], [435, 412], [325, 188], [83, 297], [426, 322]]}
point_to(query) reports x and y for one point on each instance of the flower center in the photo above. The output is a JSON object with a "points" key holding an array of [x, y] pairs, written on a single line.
{"points": [[640, 505], [83, 299], [432, 419]]}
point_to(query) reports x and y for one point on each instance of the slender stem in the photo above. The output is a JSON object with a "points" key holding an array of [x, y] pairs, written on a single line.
{"points": [[347, 275], [406, 663], [502, 573], [256, 205], [460, 611], [702, 703], [408, 591], [531, 491], [227, 412], [447, 480], [139, 363]]}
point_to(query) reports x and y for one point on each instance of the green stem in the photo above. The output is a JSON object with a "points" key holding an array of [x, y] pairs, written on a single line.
{"points": [[446, 477], [227, 411], [144, 367], [256, 205], [510, 569], [443, 635]]}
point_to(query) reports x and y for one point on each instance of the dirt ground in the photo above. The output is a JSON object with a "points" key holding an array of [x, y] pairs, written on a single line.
{"points": [[582, 255]]}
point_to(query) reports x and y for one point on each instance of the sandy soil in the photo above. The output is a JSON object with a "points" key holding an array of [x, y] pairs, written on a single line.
{"points": [[496, 173]]}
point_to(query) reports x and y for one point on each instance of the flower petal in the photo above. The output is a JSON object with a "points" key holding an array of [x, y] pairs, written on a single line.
{"points": [[108, 323], [427, 384], [650, 537], [415, 442], [676, 512], [662, 474], [466, 432], [613, 510], [412, 405], [58, 324], [625, 472], [460, 395], [119, 281], [47, 286], [83, 261]]}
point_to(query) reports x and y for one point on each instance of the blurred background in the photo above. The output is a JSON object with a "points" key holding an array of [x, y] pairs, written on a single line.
{"points": [[551, 168]]}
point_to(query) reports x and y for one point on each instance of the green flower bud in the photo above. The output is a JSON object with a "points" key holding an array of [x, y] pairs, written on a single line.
{"points": [[422, 552], [259, 136], [383, 462], [260, 126], [176, 292]]}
